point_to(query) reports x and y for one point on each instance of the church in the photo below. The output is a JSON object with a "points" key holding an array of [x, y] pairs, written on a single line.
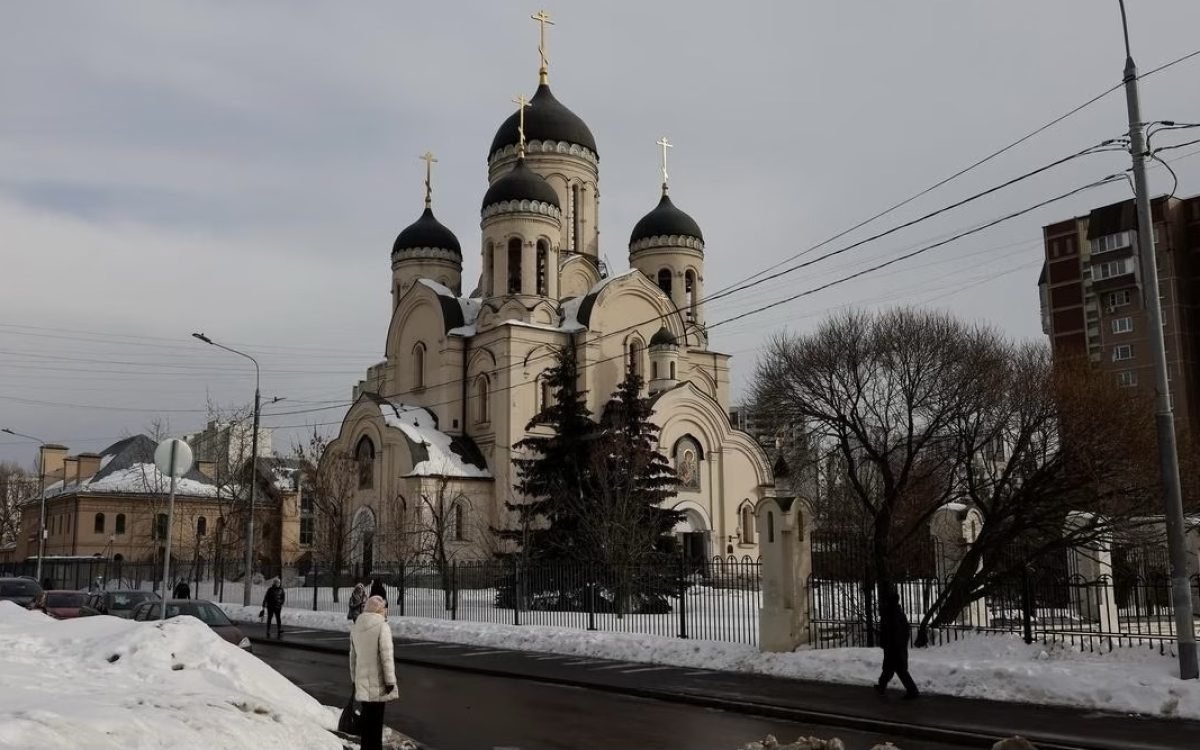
{"points": [[430, 434]]}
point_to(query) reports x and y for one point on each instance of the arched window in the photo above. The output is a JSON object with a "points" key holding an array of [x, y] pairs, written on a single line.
{"points": [[418, 365], [689, 293], [634, 362], [576, 219], [160, 526], [458, 522], [489, 271], [364, 455], [543, 270], [514, 266], [98, 526], [747, 523], [688, 455], [664, 281], [672, 371], [770, 526], [482, 396], [654, 370], [201, 526], [120, 524], [545, 393]]}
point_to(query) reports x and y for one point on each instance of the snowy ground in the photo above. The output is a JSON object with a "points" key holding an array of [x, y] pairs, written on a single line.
{"points": [[103, 682], [993, 667]]}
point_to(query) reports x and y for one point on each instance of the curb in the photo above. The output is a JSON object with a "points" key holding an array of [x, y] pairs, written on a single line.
{"points": [[967, 737]]}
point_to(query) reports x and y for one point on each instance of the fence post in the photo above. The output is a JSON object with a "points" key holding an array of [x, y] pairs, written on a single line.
{"points": [[316, 575], [454, 590], [1027, 603], [516, 582], [591, 595], [683, 631], [400, 597]]}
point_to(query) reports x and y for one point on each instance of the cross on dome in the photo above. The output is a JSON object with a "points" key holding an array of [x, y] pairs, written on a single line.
{"points": [[429, 160], [543, 20]]}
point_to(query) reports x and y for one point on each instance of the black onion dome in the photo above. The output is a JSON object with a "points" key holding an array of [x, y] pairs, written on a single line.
{"points": [[664, 337], [520, 184], [546, 119], [665, 219], [427, 232]]}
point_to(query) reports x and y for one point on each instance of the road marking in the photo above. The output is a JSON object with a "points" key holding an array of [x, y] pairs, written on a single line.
{"points": [[548, 657], [300, 630], [695, 673], [485, 653], [578, 662], [643, 669], [619, 665]]}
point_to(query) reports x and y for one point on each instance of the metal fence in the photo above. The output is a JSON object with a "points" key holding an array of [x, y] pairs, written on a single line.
{"points": [[715, 600]]}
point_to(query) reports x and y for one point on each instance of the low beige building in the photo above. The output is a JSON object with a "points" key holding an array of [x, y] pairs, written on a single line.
{"points": [[463, 372], [113, 505]]}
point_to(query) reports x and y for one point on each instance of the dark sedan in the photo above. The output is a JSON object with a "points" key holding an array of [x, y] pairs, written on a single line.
{"points": [[21, 591], [206, 612], [119, 603], [65, 605]]}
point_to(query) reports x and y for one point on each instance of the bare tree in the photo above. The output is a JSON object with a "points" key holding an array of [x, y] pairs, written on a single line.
{"points": [[16, 486], [886, 393], [330, 479]]}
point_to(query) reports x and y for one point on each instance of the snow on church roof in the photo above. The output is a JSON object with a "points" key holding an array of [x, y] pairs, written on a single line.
{"points": [[444, 456]]}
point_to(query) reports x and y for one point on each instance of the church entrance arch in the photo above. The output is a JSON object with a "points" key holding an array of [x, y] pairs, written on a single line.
{"points": [[362, 551], [694, 534]]}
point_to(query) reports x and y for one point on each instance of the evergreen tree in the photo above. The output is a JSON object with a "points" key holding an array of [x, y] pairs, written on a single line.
{"points": [[555, 476]]}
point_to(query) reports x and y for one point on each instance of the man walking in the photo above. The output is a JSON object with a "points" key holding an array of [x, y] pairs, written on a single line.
{"points": [[893, 638], [273, 606], [182, 590]]}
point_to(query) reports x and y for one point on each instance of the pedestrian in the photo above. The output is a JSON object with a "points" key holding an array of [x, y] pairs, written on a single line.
{"points": [[272, 605], [357, 600], [372, 670], [182, 591], [378, 589], [893, 638]]}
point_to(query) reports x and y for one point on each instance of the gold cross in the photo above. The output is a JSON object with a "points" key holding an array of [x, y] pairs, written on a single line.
{"points": [[429, 160], [665, 145], [521, 103], [543, 20]]}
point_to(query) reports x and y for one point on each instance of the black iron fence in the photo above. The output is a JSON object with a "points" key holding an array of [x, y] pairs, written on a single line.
{"points": [[715, 600]]}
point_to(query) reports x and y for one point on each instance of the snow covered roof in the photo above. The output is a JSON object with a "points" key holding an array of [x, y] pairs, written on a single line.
{"points": [[127, 467], [283, 474], [458, 313], [435, 454]]}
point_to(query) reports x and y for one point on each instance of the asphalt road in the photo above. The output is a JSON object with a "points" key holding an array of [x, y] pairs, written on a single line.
{"points": [[448, 710]]}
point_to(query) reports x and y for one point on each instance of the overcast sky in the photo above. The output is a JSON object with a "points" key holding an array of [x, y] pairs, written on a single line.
{"points": [[242, 168]]}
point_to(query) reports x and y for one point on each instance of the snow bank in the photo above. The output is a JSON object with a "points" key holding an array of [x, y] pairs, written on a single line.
{"points": [[103, 682], [992, 667]]}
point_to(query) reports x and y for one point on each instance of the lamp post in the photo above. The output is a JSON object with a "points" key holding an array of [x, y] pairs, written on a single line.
{"points": [[41, 491], [253, 465], [1164, 419]]}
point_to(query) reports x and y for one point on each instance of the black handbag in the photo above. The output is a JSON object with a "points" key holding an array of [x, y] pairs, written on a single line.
{"points": [[350, 720]]}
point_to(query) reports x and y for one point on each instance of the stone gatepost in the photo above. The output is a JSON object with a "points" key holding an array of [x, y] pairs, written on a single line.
{"points": [[785, 547], [955, 527], [1093, 595]]}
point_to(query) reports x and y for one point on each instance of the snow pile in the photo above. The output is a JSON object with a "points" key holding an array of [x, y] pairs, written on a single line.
{"points": [[804, 743], [990, 667], [103, 682], [419, 426]]}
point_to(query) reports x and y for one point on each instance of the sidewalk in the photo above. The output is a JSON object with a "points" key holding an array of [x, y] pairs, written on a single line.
{"points": [[972, 723]]}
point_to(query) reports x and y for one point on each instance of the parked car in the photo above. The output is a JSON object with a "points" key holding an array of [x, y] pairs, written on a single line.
{"points": [[65, 605], [119, 603], [22, 591], [206, 612]]}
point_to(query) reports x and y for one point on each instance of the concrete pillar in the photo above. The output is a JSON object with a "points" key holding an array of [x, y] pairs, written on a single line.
{"points": [[785, 549], [955, 527], [1093, 594]]}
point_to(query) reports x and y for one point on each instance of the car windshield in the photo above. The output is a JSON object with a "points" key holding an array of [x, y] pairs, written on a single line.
{"points": [[209, 614], [128, 599], [19, 588], [65, 599]]}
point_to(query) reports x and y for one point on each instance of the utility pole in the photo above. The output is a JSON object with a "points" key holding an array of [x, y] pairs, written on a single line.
{"points": [[253, 467], [1164, 419]]}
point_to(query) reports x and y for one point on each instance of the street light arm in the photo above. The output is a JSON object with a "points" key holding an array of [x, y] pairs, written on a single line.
{"points": [[207, 340], [14, 433]]}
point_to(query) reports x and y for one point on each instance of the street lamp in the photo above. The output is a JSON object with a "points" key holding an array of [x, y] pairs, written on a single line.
{"points": [[253, 465], [42, 491], [1164, 418]]}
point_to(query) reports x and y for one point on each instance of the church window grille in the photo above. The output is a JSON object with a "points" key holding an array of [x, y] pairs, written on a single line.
{"points": [[543, 259], [418, 364], [514, 266], [482, 398], [664, 281], [364, 455]]}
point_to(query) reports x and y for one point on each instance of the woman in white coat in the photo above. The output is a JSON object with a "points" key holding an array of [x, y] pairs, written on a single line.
{"points": [[372, 670]]}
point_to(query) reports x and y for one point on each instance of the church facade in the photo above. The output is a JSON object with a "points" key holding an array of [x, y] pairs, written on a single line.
{"points": [[433, 425]]}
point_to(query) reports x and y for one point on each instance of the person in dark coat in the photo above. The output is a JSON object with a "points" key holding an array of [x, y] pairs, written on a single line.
{"points": [[182, 590], [378, 589], [272, 605], [358, 599], [893, 638]]}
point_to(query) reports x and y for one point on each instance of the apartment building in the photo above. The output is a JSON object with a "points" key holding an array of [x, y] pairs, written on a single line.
{"points": [[1091, 296]]}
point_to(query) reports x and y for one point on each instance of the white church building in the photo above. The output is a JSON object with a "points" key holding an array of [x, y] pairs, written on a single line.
{"points": [[435, 422]]}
